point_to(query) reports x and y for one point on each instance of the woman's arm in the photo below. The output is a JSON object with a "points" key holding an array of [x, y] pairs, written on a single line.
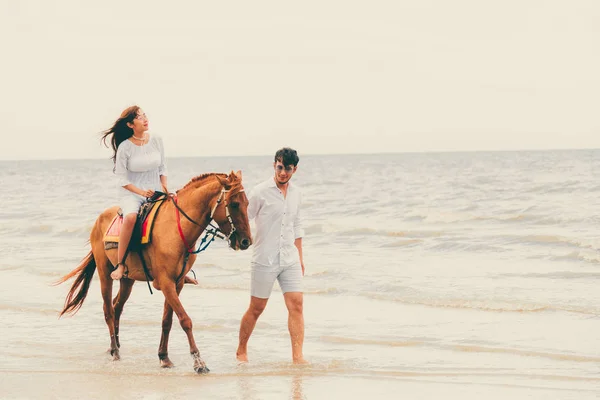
{"points": [[163, 182], [137, 190], [162, 169]]}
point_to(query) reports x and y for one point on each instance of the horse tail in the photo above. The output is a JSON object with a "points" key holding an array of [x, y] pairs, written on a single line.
{"points": [[78, 292]]}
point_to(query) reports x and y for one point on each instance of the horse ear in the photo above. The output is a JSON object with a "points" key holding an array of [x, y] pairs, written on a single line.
{"points": [[234, 177], [224, 182], [239, 174]]}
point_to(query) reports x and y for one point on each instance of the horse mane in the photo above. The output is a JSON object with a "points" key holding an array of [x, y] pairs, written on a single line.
{"points": [[198, 180], [203, 178]]}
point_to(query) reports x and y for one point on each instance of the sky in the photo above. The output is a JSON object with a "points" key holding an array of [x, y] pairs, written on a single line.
{"points": [[232, 78]]}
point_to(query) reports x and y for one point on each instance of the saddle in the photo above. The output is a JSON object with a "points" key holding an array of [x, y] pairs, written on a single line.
{"points": [[143, 226]]}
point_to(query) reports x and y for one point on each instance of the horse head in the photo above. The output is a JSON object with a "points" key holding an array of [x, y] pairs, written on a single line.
{"points": [[232, 216]]}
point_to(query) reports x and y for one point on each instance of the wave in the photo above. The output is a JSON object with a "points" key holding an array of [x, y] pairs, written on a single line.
{"points": [[202, 285], [534, 219], [483, 305], [330, 290], [462, 216], [230, 268], [469, 247], [403, 243], [38, 229], [543, 239], [362, 211], [462, 348], [77, 231], [376, 342], [388, 233], [584, 249], [527, 353], [593, 258], [49, 228], [471, 207], [28, 309], [555, 275], [332, 228], [557, 187], [10, 267], [415, 218], [245, 287], [9, 229], [15, 215], [319, 273], [551, 239]]}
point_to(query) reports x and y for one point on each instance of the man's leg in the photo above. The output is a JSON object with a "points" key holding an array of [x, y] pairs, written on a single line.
{"points": [[294, 304], [247, 325], [261, 285], [290, 281]]}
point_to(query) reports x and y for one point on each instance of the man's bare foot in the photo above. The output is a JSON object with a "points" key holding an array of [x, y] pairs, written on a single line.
{"points": [[118, 273], [193, 281], [300, 361], [241, 357]]}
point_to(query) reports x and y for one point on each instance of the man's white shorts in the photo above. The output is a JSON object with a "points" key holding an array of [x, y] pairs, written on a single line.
{"points": [[263, 278]]}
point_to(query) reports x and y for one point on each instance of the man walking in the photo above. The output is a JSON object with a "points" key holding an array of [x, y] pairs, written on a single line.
{"points": [[277, 252]]}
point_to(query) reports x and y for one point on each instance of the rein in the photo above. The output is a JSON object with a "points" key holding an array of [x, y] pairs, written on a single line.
{"points": [[215, 231]]}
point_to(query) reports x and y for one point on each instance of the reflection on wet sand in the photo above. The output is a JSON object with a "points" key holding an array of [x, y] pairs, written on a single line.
{"points": [[254, 386]]}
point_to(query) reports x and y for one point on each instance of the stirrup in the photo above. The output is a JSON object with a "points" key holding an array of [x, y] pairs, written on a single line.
{"points": [[125, 270]]}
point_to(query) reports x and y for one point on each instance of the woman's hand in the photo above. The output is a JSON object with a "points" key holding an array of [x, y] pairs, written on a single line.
{"points": [[147, 193], [144, 193]]}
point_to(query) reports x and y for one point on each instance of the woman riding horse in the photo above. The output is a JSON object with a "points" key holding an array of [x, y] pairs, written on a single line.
{"points": [[177, 226]]}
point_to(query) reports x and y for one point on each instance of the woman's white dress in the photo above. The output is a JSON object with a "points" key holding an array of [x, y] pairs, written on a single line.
{"points": [[142, 167]]}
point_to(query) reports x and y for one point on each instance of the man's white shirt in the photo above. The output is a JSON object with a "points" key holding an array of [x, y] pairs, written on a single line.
{"points": [[278, 224]]}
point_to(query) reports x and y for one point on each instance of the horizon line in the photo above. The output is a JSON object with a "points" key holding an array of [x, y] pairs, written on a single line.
{"points": [[530, 150]]}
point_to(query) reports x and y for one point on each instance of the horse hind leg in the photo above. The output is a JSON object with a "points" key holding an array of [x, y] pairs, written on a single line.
{"points": [[104, 268], [119, 301], [106, 286]]}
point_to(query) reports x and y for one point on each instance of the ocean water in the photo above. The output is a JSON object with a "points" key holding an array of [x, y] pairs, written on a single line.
{"points": [[460, 275]]}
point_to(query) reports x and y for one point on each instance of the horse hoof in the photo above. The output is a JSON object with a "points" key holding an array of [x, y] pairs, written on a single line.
{"points": [[202, 370], [115, 354], [166, 364]]}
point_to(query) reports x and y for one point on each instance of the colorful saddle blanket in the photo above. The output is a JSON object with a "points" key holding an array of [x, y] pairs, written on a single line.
{"points": [[143, 229]]}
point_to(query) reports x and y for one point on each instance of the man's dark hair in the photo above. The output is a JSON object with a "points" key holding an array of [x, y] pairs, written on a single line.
{"points": [[287, 156]]}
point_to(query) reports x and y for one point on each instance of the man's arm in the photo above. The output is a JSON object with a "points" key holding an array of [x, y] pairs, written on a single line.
{"points": [[299, 233], [298, 244]]}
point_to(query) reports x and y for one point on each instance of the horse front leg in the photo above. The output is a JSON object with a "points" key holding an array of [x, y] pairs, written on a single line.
{"points": [[172, 297], [163, 348], [119, 302]]}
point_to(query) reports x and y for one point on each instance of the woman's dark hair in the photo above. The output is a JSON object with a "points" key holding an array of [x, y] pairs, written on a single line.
{"points": [[287, 156], [120, 131]]}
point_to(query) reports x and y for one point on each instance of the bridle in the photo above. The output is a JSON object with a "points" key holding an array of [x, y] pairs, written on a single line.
{"points": [[211, 229], [227, 213]]}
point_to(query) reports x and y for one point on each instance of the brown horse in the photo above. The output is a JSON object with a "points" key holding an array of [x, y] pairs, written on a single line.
{"points": [[206, 197]]}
